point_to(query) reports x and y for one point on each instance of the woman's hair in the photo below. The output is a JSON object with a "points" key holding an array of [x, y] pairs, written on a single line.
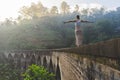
{"points": [[78, 17]]}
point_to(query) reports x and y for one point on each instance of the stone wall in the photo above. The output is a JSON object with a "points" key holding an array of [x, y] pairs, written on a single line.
{"points": [[100, 61], [66, 66], [109, 48], [22, 59], [74, 67]]}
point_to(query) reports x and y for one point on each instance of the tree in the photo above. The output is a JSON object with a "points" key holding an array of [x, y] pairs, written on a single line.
{"points": [[24, 11], [76, 8], [35, 72], [7, 72], [85, 11], [54, 10], [35, 10], [97, 13], [65, 8]]}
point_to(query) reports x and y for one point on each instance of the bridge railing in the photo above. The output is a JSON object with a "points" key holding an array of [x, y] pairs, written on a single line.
{"points": [[109, 48]]}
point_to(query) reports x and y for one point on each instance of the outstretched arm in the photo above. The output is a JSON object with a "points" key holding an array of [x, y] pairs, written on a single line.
{"points": [[86, 21], [70, 21]]}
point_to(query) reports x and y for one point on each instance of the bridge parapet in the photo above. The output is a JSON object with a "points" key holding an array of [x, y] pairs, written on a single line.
{"points": [[109, 48], [99, 61]]}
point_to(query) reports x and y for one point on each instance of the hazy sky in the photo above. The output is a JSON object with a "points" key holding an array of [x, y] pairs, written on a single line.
{"points": [[10, 8]]}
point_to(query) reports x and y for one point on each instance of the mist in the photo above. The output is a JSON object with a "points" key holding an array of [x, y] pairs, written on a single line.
{"points": [[41, 28]]}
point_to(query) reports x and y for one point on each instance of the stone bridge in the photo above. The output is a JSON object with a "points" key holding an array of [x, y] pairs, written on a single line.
{"points": [[99, 61]]}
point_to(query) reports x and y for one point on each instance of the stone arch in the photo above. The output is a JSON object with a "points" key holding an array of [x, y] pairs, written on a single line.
{"points": [[100, 72], [10, 60], [15, 55], [57, 60], [45, 62], [22, 56], [32, 61], [27, 60], [90, 71], [10, 57], [23, 65], [112, 76], [51, 69], [39, 60], [58, 73], [17, 60]]}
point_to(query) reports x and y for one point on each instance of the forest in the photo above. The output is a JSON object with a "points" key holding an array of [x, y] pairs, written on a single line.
{"points": [[39, 27]]}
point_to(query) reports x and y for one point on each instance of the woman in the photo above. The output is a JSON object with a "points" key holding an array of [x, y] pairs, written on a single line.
{"points": [[78, 32]]}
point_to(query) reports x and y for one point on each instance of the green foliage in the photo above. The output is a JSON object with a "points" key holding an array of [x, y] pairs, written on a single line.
{"points": [[45, 30], [7, 72], [35, 72], [37, 33]]}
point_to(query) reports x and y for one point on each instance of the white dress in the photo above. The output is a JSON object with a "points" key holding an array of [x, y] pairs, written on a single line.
{"points": [[78, 33]]}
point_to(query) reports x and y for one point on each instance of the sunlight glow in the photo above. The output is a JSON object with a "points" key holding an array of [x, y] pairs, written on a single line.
{"points": [[10, 8]]}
